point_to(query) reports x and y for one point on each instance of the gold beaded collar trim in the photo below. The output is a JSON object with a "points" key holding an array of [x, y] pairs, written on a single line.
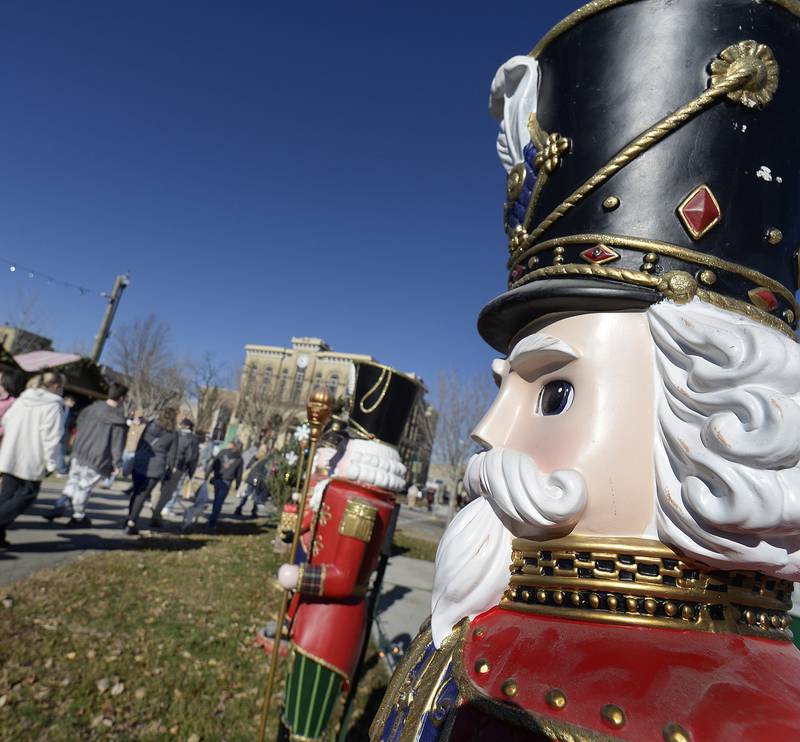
{"points": [[641, 582]]}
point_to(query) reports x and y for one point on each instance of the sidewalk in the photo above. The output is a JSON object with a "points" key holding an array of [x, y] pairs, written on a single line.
{"points": [[37, 544], [404, 604]]}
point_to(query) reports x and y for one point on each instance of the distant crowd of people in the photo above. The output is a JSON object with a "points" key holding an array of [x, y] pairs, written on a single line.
{"points": [[37, 423]]}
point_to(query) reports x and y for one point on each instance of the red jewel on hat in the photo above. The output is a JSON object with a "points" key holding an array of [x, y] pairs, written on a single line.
{"points": [[517, 272], [699, 212], [763, 299], [599, 254]]}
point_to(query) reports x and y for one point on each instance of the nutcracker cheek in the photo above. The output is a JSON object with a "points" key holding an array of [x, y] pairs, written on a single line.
{"points": [[579, 394]]}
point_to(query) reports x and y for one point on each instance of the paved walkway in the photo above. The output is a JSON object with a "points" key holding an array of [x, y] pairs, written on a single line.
{"points": [[37, 544], [405, 603]]}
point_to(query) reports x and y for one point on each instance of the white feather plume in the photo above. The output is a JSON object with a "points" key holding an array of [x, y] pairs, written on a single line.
{"points": [[511, 101]]}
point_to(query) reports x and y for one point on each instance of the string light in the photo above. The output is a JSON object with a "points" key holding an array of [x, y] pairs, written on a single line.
{"points": [[50, 280]]}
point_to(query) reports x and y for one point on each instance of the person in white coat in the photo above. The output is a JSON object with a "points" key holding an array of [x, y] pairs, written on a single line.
{"points": [[33, 426]]}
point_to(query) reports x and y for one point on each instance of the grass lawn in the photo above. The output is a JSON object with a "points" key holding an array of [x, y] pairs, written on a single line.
{"points": [[151, 643], [418, 548]]}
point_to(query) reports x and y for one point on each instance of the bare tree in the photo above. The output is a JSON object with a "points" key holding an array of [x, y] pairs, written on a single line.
{"points": [[260, 406], [208, 376], [140, 350], [460, 401], [26, 315]]}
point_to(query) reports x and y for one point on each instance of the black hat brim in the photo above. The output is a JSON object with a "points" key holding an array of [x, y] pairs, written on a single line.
{"points": [[505, 315]]}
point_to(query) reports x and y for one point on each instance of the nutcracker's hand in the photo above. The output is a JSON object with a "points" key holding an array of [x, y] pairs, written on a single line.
{"points": [[287, 576]]}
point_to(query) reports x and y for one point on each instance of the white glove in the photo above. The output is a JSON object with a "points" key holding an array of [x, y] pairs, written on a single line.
{"points": [[287, 576]]}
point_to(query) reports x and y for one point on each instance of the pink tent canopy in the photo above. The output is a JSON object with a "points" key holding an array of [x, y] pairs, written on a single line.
{"points": [[38, 359]]}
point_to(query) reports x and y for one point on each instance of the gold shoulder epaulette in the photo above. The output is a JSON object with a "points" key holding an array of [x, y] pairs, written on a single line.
{"points": [[358, 520]]}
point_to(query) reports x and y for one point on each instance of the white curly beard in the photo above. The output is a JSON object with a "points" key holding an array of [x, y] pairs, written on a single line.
{"points": [[513, 498]]}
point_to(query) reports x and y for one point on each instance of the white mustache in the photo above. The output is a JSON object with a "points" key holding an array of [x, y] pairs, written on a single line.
{"points": [[532, 504]]}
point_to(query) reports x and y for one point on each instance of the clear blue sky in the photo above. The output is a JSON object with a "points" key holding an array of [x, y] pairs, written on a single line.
{"points": [[262, 169]]}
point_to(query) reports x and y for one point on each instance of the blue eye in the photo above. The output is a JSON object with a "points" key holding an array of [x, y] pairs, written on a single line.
{"points": [[556, 397]]}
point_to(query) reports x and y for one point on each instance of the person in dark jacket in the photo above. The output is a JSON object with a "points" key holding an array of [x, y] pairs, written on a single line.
{"points": [[256, 481], [97, 453], [185, 464], [226, 468], [70, 416], [153, 462]]}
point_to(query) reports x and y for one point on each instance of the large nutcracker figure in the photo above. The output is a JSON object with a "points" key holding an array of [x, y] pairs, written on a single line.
{"points": [[345, 526], [624, 569]]}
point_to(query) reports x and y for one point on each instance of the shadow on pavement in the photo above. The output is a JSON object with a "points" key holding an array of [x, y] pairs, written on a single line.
{"points": [[392, 596], [402, 642], [399, 550], [93, 542], [168, 538]]}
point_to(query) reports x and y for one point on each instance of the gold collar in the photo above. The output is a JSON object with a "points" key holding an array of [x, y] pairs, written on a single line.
{"points": [[645, 583]]}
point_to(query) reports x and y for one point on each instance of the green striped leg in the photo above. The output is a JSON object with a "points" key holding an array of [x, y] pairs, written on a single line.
{"points": [[795, 627], [311, 692]]}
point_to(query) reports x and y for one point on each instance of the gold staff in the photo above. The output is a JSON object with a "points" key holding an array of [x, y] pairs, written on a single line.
{"points": [[319, 412]]}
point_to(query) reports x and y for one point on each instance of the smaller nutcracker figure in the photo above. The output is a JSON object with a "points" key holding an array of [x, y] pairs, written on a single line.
{"points": [[324, 462], [346, 525]]}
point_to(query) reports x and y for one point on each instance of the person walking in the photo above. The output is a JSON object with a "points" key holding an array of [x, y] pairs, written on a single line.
{"points": [[226, 468], [30, 443], [66, 430], [256, 481], [412, 494], [10, 388], [206, 451], [97, 453], [185, 464], [153, 463]]}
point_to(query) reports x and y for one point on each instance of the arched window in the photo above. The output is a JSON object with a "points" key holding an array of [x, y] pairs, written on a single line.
{"points": [[333, 384], [283, 382], [317, 380], [297, 387], [265, 382]]}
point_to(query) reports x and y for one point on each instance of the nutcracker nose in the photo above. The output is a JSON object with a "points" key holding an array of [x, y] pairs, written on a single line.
{"points": [[486, 430], [496, 425], [489, 432]]}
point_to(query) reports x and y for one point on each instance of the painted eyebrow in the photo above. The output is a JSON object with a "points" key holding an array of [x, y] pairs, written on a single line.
{"points": [[553, 352]]}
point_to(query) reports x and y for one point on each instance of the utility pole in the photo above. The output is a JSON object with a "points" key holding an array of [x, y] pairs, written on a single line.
{"points": [[108, 318]]}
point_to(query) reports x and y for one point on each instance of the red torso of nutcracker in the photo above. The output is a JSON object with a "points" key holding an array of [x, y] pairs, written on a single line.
{"points": [[351, 526], [634, 683]]}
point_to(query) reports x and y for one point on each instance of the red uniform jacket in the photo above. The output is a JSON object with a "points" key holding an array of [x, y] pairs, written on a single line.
{"points": [[514, 676], [330, 619]]}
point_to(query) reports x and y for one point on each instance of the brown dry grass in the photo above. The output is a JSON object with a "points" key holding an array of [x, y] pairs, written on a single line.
{"points": [[151, 643]]}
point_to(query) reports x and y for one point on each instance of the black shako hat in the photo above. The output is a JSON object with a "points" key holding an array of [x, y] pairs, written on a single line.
{"points": [[664, 162], [383, 401]]}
